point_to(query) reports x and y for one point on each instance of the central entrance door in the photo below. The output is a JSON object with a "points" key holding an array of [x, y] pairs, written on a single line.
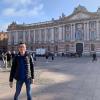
{"points": [[79, 48]]}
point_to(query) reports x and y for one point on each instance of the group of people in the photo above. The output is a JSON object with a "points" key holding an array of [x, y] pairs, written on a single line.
{"points": [[8, 58]]}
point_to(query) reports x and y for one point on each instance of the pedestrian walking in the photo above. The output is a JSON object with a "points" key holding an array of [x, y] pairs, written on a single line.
{"points": [[52, 56], [13, 54], [9, 59], [47, 56], [34, 56], [4, 59], [94, 57], [22, 71]]}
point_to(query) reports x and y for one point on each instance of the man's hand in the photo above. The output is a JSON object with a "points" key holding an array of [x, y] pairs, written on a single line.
{"points": [[11, 84], [32, 81]]}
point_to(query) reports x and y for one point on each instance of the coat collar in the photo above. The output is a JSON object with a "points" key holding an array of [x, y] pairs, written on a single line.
{"points": [[23, 55]]}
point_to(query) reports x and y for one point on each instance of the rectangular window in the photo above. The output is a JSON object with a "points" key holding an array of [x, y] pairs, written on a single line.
{"points": [[92, 35], [79, 33], [92, 24], [56, 33], [67, 32]]}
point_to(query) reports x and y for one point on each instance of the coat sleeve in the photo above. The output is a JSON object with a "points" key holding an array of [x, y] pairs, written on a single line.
{"points": [[13, 70], [32, 67]]}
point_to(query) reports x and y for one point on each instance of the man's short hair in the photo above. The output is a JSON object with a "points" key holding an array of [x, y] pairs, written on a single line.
{"points": [[21, 43]]}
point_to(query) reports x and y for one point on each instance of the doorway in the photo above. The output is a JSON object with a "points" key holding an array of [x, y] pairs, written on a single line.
{"points": [[79, 48]]}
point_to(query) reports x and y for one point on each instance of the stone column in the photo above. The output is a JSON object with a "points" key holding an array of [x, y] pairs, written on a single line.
{"points": [[97, 31], [16, 37], [60, 33], [29, 37], [63, 35], [24, 36], [52, 35], [73, 32], [70, 33], [45, 35], [40, 40], [9, 38], [85, 31], [34, 36], [88, 37]]}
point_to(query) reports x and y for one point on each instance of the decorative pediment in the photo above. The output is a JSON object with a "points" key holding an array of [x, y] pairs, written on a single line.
{"points": [[79, 16]]}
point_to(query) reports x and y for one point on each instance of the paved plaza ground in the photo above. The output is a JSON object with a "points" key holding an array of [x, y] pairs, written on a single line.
{"points": [[61, 79]]}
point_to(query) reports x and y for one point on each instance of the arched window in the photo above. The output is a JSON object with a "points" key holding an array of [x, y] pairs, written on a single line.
{"points": [[79, 35], [67, 32], [92, 35], [56, 33]]}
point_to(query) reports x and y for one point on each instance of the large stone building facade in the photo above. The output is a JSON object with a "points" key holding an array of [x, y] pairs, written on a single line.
{"points": [[78, 32]]}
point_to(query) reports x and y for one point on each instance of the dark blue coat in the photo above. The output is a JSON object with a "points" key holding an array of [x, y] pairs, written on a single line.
{"points": [[29, 65]]}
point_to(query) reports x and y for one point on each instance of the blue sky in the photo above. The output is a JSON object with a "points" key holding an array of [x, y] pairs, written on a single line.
{"points": [[33, 11]]}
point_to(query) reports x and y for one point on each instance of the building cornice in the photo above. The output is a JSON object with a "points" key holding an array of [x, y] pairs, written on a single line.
{"points": [[62, 20]]}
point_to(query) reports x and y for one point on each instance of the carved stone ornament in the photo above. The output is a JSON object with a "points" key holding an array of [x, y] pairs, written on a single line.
{"points": [[79, 16]]}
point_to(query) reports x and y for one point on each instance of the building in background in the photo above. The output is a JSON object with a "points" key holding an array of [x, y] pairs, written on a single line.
{"points": [[78, 32], [3, 41]]}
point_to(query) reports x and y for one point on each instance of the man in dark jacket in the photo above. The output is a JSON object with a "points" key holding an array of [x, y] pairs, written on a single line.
{"points": [[94, 57], [23, 71], [13, 54], [9, 59]]}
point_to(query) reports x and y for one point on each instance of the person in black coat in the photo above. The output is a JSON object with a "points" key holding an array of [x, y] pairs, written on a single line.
{"points": [[94, 56], [9, 59], [22, 71], [13, 54]]}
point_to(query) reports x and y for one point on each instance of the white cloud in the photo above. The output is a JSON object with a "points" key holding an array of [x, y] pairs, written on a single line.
{"points": [[23, 12], [8, 11], [15, 10], [22, 8], [16, 2]]}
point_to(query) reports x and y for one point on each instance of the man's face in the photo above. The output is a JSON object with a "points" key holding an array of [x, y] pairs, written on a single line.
{"points": [[22, 48]]}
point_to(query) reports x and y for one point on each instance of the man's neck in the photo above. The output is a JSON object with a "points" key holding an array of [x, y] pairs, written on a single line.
{"points": [[22, 53]]}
